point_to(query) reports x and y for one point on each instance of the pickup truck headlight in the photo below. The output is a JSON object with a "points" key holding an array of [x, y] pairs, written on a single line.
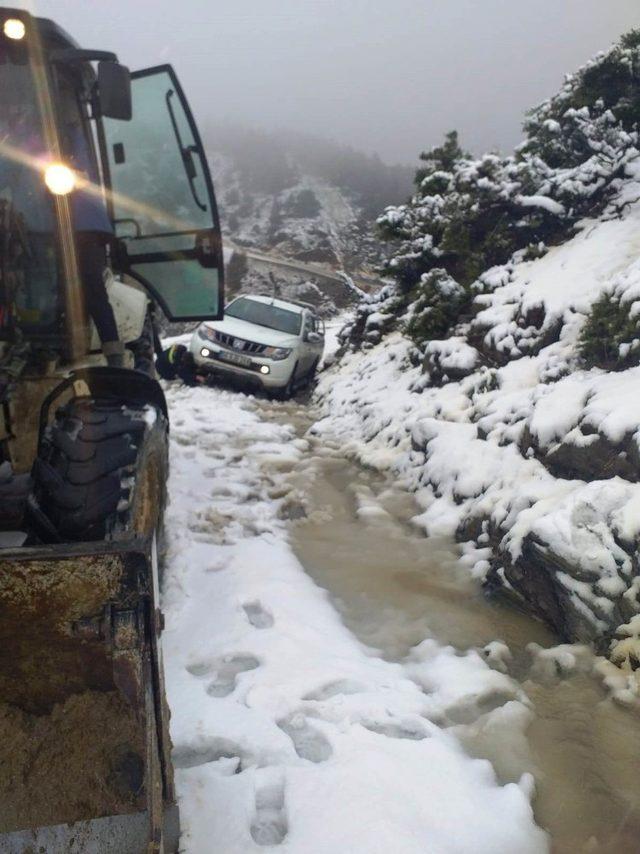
{"points": [[277, 353], [206, 333]]}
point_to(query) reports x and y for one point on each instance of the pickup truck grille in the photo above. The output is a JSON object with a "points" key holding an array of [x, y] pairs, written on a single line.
{"points": [[239, 345]]}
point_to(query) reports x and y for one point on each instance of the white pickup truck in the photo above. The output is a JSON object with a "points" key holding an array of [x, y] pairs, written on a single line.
{"points": [[269, 343]]}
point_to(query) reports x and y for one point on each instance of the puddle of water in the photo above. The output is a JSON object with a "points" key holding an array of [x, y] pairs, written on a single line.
{"points": [[587, 751], [394, 588]]}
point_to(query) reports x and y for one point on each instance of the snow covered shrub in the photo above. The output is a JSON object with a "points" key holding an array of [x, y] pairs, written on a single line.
{"points": [[436, 303], [610, 338], [374, 316], [449, 360], [470, 214], [609, 81], [588, 132]]}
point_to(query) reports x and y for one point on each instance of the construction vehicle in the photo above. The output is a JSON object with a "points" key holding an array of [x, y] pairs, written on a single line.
{"points": [[84, 743]]}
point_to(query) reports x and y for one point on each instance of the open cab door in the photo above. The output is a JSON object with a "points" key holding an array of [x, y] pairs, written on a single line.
{"points": [[162, 200]]}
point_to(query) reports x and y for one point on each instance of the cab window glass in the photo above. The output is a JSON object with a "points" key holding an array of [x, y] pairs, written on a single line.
{"points": [[150, 185], [29, 273], [163, 210]]}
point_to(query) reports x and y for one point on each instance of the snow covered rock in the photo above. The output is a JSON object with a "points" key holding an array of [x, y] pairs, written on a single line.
{"points": [[450, 359], [576, 565]]}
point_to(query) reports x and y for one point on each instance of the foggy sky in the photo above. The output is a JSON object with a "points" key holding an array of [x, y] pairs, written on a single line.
{"points": [[385, 76]]}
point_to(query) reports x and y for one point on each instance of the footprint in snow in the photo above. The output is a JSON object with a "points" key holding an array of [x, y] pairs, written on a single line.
{"points": [[212, 751], [391, 730], [469, 712], [227, 671], [269, 825], [219, 565], [258, 616], [334, 689], [308, 742]]}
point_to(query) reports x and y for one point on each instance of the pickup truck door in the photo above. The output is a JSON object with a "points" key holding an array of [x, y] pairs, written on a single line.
{"points": [[306, 351], [162, 201]]}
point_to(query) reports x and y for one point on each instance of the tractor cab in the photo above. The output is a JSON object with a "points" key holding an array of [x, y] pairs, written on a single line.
{"points": [[106, 211], [88, 147]]}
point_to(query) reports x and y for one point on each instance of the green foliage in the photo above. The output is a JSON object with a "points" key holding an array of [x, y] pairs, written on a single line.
{"points": [[435, 306], [442, 158], [630, 40], [534, 251], [467, 219], [610, 338], [614, 82], [592, 109]]}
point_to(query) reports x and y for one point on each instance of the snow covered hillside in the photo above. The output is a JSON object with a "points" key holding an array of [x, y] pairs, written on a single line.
{"points": [[287, 731], [531, 460], [498, 374], [309, 220], [301, 197]]}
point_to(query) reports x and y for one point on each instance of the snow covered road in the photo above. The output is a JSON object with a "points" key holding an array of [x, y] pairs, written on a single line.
{"points": [[287, 731]]}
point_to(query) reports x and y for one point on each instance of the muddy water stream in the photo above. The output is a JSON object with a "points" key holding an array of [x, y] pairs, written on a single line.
{"points": [[394, 588]]}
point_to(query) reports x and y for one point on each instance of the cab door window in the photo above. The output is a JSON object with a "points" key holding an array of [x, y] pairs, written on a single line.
{"points": [[162, 202]]}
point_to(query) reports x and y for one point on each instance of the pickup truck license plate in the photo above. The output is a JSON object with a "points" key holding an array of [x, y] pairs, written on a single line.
{"points": [[236, 359]]}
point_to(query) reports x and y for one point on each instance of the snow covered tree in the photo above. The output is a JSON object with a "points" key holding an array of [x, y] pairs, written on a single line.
{"points": [[468, 215], [441, 159]]}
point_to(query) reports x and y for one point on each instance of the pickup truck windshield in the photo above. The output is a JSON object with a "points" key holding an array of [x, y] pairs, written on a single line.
{"points": [[28, 267], [265, 314]]}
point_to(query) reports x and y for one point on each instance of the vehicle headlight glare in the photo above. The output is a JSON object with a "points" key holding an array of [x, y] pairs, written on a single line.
{"points": [[277, 353], [205, 352], [206, 333], [14, 28], [265, 369], [59, 179]]}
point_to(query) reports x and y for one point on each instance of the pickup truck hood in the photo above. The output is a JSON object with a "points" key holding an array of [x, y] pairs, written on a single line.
{"points": [[252, 332]]}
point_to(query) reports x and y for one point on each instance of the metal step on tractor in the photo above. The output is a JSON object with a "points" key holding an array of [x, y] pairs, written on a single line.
{"points": [[107, 215]]}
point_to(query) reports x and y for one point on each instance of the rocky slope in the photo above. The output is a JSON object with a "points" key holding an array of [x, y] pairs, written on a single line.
{"points": [[511, 443]]}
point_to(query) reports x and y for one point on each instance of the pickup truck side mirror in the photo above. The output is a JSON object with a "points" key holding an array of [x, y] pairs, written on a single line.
{"points": [[313, 337]]}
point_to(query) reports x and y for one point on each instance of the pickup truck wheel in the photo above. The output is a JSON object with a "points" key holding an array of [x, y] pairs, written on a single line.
{"points": [[287, 392], [313, 370], [100, 473]]}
